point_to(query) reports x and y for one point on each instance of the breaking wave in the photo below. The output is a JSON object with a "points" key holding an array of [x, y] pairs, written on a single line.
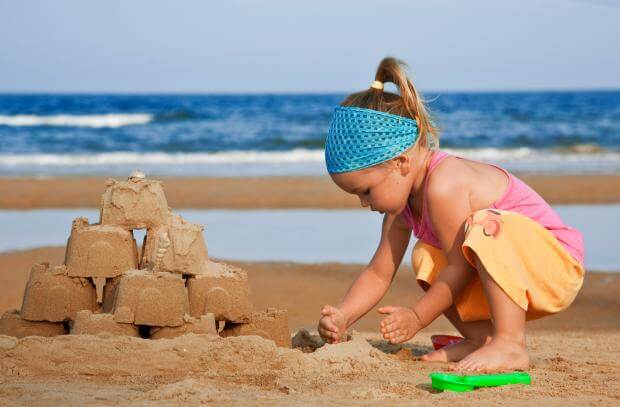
{"points": [[95, 121]]}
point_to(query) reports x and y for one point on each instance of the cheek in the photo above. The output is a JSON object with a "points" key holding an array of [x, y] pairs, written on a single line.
{"points": [[399, 195], [392, 195]]}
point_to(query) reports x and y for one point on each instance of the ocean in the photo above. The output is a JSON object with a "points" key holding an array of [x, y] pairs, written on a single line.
{"points": [[240, 135]]}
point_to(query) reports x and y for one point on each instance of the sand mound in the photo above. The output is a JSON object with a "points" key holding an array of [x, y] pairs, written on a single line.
{"points": [[121, 357], [207, 369]]}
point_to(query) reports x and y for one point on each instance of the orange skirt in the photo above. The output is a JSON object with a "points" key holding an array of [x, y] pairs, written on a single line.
{"points": [[523, 258]]}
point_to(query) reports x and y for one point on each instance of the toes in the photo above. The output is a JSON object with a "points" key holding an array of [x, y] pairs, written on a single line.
{"points": [[436, 356], [463, 365]]}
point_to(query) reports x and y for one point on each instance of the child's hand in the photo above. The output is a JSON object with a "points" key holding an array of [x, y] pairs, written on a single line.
{"points": [[400, 325], [332, 325]]}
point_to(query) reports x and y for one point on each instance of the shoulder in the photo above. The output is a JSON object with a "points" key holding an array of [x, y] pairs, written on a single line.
{"points": [[449, 179], [448, 198]]}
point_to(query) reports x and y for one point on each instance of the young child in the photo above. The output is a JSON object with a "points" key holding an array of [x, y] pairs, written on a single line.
{"points": [[491, 252]]}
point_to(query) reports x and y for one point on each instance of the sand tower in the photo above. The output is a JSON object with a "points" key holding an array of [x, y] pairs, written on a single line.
{"points": [[168, 288]]}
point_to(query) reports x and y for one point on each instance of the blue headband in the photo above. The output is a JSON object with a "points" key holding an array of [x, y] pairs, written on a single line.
{"points": [[360, 138]]}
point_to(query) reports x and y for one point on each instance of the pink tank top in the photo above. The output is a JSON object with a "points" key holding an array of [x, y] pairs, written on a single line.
{"points": [[519, 197]]}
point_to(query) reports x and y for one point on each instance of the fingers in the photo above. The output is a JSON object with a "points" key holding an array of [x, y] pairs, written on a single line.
{"points": [[398, 326], [394, 331], [330, 310], [388, 323], [328, 336], [398, 339], [389, 327], [389, 319], [328, 324], [396, 336], [388, 309]]}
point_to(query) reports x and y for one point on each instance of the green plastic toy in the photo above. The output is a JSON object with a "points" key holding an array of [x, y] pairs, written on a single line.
{"points": [[460, 383]]}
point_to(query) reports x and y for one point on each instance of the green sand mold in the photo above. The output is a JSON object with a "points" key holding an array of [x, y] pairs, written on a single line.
{"points": [[459, 383]]}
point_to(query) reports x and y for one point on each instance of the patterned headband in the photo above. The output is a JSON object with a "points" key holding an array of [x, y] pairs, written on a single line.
{"points": [[360, 138]]}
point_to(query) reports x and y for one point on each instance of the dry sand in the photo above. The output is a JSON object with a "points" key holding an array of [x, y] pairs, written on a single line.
{"points": [[575, 355], [270, 192]]}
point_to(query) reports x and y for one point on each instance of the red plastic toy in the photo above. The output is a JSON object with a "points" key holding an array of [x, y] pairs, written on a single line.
{"points": [[439, 341]]}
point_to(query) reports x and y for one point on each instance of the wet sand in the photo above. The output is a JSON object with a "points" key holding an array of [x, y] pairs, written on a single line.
{"points": [[271, 192], [575, 355]]}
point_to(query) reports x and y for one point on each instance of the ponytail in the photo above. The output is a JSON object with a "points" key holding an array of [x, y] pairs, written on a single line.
{"points": [[408, 104]]}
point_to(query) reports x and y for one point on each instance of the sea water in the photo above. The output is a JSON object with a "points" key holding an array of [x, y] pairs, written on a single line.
{"points": [[240, 135], [307, 236]]}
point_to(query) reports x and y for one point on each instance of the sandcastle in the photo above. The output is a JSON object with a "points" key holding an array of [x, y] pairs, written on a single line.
{"points": [[168, 288]]}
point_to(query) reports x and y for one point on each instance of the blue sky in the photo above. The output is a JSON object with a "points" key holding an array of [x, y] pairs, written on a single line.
{"points": [[313, 46]]}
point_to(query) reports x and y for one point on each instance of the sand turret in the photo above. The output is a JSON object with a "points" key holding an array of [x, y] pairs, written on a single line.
{"points": [[51, 295], [176, 246], [99, 252], [137, 203], [222, 290]]}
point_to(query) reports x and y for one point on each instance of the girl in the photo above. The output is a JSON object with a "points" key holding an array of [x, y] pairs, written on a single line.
{"points": [[491, 252]]}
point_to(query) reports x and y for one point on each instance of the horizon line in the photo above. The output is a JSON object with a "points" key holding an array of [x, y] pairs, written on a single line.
{"points": [[293, 92]]}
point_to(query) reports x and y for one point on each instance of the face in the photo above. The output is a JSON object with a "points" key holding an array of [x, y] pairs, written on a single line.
{"points": [[384, 188]]}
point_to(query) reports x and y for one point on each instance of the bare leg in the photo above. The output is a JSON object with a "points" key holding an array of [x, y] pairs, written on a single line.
{"points": [[475, 333], [506, 350]]}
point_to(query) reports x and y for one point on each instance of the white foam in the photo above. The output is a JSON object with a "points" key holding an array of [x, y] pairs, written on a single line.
{"points": [[269, 157], [526, 153], [275, 157], [96, 121], [291, 162]]}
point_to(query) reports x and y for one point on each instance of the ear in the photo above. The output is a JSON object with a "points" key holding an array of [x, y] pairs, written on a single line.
{"points": [[402, 163]]}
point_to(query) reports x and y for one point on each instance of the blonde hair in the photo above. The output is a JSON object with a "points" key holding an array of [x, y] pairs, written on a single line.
{"points": [[408, 104]]}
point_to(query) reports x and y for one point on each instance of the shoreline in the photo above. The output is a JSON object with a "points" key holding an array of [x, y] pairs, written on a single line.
{"points": [[278, 192]]}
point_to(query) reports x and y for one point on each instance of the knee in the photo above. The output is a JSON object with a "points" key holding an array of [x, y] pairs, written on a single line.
{"points": [[472, 219]]}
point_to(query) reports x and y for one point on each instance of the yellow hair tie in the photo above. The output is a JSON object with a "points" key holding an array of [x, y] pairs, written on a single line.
{"points": [[377, 85]]}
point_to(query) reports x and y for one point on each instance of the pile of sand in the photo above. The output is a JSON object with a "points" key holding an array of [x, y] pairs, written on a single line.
{"points": [[207, 369], [117, 356]]}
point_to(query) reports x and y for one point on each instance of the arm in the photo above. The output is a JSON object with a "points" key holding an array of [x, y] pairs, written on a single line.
{"points": [[448, 203], [449, 207], [372, 283]]}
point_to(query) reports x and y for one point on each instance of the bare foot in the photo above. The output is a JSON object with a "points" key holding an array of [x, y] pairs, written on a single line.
{"points": [[454, 352], [498, 355]]}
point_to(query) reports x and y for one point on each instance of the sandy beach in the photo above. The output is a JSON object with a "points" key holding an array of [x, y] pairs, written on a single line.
{"points": [[170, 231], [271, 192], [575, 354]]}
